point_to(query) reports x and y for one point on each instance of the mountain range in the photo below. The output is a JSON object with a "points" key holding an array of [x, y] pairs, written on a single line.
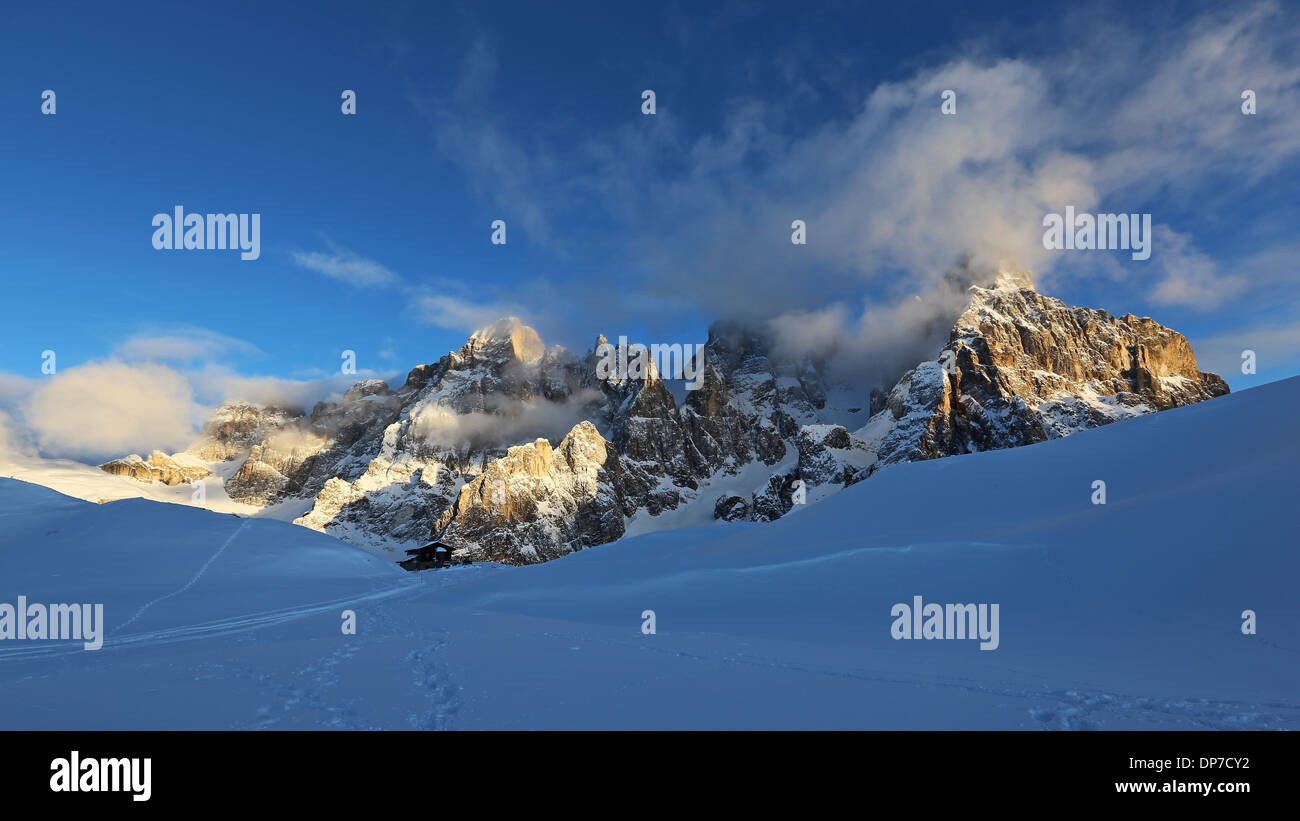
{"points": [[513, 451]]}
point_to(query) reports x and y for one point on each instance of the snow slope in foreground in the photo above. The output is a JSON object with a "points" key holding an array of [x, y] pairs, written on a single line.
{"points": [[1122, 615]]}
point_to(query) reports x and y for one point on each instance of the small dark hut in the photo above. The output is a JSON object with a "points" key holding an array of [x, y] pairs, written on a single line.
{"points": [[431, 557]]}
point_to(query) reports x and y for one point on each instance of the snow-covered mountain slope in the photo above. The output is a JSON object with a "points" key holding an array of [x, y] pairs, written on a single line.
{"points": [[1126, 614]]}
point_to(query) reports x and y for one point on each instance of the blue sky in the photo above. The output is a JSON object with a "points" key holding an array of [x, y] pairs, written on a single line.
{"points": [[375, 227]]}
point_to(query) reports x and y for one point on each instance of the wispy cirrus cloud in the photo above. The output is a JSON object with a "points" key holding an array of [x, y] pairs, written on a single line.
{"points": [[447, 310], [184, 343], [447, 303], [1189, 276], [345, 266]]}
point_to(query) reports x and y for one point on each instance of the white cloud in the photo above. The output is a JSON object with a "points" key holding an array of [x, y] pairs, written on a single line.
{"points": [[217, 383], [509, 420], [182, 344], [1182, 121], [877, 344], [457, 313], [345, 266], [107, 409], [1190, 277], [14, 387], [13, 447], [512, 175]]}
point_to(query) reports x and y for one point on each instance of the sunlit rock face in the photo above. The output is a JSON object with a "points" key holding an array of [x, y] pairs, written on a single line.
{"points": [[1021, 367], [159, 467], [537, 503]]}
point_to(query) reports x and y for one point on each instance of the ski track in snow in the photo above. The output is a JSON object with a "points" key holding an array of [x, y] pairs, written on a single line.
{"points": [[191, 582], [241, 624]]}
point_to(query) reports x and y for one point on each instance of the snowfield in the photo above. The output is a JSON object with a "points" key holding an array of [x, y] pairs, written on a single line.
{"points": [[1123, 615]]}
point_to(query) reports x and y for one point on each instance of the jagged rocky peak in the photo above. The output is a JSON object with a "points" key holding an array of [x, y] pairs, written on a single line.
{"points": [[367, 388], [447, 424], [1041, 348], [1020, 367], [362, 407], [750, 371], [236, 425], [1013, 279], [538, 503], [629, 378], [507, 359], [737, 347], [508, 336]]}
